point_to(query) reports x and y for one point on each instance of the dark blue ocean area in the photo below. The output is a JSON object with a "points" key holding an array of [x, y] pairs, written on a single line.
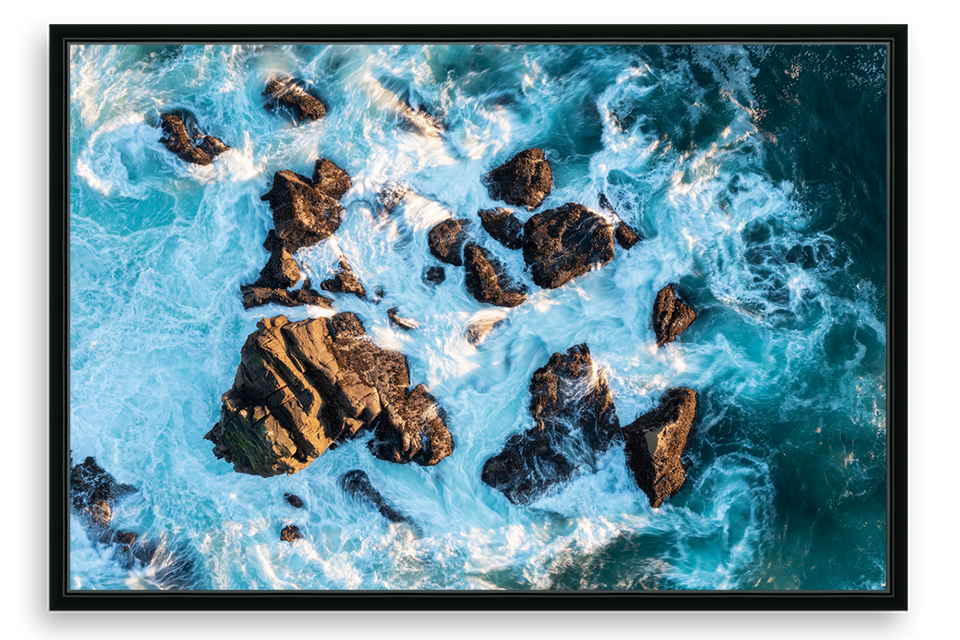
{"points": [[755, 180]]}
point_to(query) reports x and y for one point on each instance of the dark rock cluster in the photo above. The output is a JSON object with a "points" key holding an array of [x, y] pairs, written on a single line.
{"points": [[303, 386], [291, 93], [564, 243], [178, 140], [525, 180]]}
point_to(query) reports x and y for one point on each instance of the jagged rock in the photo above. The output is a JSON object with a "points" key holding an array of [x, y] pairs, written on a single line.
{"points": [[302, 386], [656, 440], [434, 275], [289, 92], [294, 500], [564, 243], [626, 236], [330, 179], [290, 533], [281, 270], [178, 140], [391, 196], [344, 281], [671, 316], [212, 146], [404, 323], [256, 296], [93, 493], [503, 226], [414, 430], [572, 411], [302, 216], [446, 241], [524, 180], [357, 484], [487, 280]]}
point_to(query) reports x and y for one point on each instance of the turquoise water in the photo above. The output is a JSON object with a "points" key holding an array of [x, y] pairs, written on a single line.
{"points": [[757, 178]]}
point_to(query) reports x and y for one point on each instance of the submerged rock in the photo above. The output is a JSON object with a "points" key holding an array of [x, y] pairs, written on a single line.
{"points": [[656, 440], [488, 282], [671, 316], [446, 240], [289, 92], [503, 226], [404, 323], [434, 275], [344, 281], [302, 216], [93, 493], [293, 500], [574, 418], [330, 179], [357, 484], [564, 243], [483, 325], [303, 386], [180, 142], [390, 197], [524, 180]]}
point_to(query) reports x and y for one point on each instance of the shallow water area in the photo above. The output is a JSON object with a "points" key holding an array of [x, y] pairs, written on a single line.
{"points": [[753, 175]]}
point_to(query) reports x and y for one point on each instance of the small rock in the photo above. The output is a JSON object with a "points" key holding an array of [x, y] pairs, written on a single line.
{"points": [[93, 493], [524, 180], [302, 216], [290, 533], [626, 236], [671, 316], [289, 92], [446, 241], [434, 275], [294, 500], [256, 296], [281, 270], [503, 226], [404, 323], [487, 281], [344, 281], [179, 142], [564, 243]]}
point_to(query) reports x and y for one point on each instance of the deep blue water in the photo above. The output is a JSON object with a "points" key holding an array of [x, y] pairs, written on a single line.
{"points": [[757, 178]]}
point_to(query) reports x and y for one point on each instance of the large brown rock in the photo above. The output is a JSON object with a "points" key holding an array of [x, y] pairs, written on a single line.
{"points": [[302, 216], [656, 440], [281, 270], [487, 280], [304, 386], [93, 493], [446, 240], [564, 243], [671, 316], [330, 179], [524, 180], [573, 414], [290, 93], [503, 226]]}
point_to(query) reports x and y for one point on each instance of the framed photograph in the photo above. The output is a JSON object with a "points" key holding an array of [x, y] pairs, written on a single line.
{"points": [[478, 317]]}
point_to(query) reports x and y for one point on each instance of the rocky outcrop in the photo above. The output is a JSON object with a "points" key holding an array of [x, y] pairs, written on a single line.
{"points": [[179, 141], [626, 236], [406, 324], [356, 484], [257, 296], [671, 316], [487, 280], [573, 416], [93, 493], [503, 226], [330, 179], [434, 275], [524, 180], [344, 281], [303, 386], [290, 533], [564, 243], [293, 500], [302, 215], [446, 241], [281, 270], [290, 93], [655, 442]]}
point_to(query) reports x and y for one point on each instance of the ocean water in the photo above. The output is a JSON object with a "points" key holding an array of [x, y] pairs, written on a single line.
{"points": [[756, 176]]}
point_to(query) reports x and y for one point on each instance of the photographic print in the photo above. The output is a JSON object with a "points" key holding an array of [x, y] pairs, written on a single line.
{"points": [[498, 316]]}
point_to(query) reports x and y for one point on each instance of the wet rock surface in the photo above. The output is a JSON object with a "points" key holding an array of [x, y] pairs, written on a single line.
{"points": [[406, 324], [564, 243], [329, 179], [655, 442], [481, 327], [487, 280], [291, 93], [344, 281], [293, 500], [93, 493], [178, 140], [626, 236], [574, 418], [303, 386], [281, 270], [503, 226], [434, 275], [356, 483], [524, 180], [446, 240], [302, 216], [671, 316], [290, 533], [256, 296]]}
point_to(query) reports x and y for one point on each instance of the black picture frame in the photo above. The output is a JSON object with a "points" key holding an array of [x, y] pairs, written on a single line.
{"points": [[61, 598]]}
